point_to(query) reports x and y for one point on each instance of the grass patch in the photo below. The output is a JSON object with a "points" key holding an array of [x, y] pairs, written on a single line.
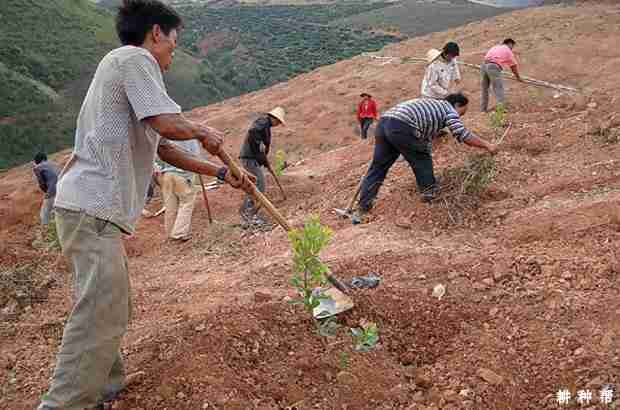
{"points": [[498, 117], [461, 187]]}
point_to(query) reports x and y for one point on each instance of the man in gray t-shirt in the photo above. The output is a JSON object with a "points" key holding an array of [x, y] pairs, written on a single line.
{"points": [[126, 118]]}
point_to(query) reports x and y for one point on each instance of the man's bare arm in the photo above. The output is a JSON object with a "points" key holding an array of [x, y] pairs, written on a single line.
{"points": [[475, 141], [188, 161], [177, 127], [515, 71], [180, 158]]}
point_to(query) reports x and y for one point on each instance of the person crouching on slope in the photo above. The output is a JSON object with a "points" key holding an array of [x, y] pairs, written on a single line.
{"points": [[408, 129], [253, 156]]}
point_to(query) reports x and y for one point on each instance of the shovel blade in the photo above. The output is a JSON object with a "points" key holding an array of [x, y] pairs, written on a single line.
{"points": [[335, 303], [345, 213]]}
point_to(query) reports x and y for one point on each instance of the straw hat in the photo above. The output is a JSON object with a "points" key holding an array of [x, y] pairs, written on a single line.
{"points": [[432, 55], [278, 113]]}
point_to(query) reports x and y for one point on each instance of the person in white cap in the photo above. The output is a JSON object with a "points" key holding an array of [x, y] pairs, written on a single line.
{"points": [[442, 72], [253, 156]]}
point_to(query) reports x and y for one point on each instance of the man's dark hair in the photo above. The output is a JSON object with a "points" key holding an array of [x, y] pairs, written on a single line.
{"points": [[136, 18], [40, 157], [509, 42], [452, 48], [457, 98]]}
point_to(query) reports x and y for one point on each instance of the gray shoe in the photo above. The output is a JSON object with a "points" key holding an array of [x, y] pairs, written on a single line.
{"points": [[430, 193]]}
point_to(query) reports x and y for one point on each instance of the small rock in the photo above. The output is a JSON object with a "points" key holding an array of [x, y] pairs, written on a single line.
{"points": [[579, 351], [287, 299], [490, 376], [439, 291], [465, 392], [181, 395], [567, 275], [493, 312], [488, 281], [200, 328], [592, 105]]}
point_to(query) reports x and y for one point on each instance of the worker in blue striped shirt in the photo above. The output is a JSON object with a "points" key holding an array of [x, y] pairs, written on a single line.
{"points": [[408, 129]]}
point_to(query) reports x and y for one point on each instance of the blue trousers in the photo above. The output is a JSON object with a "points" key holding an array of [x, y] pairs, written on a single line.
{"points": [[395, 137]]}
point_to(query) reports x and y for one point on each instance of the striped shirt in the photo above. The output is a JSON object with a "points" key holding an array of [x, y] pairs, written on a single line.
{"points": [[429, 116]]}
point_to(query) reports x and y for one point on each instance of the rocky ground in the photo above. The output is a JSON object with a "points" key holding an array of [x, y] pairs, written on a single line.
{"points": [[529, 263]]}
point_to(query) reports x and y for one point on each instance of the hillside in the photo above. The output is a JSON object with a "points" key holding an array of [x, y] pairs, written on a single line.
{"points": [[530, 264], [51, 51], [46, 46], [224, 53]]}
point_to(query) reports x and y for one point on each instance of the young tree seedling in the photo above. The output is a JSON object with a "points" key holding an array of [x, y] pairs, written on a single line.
{"points": [[309, 276]]}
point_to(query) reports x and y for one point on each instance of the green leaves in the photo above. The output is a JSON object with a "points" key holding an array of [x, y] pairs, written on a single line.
{"points": [[279, 162], [365, 337], [309, 270], [497, 116]]}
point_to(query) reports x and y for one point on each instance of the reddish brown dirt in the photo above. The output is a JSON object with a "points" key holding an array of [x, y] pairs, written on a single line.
{"points": [[531, 272]]}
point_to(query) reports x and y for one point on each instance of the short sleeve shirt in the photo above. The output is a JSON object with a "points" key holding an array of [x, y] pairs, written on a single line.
{"points": [[501, 55], [438, 78], [110, 169]]}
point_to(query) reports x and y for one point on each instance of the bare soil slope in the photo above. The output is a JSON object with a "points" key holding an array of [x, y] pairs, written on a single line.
{"points": [[531, 272]]}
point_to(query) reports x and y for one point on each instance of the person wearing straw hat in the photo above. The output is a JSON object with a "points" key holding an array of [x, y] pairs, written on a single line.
{"points": [[366, 113], [442, 72], [253, 156]]}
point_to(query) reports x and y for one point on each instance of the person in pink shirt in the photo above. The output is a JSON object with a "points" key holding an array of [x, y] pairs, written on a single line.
{"points": [[496, 60]]}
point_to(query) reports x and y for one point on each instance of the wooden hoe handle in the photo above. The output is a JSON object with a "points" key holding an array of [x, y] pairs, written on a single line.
{"points": [[258, 196]]}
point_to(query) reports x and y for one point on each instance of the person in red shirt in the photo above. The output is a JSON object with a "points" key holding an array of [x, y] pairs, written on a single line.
{"points": [[366, 113]]}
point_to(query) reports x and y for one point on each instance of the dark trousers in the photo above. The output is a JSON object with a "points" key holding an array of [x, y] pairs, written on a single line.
{"points": [[248, 208], [364, 126], [395, 137]]}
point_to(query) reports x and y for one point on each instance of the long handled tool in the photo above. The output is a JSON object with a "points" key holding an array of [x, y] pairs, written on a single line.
{"points": [[348, 212], [204, 196], [271, 171], [258, 196], [262, 199]]}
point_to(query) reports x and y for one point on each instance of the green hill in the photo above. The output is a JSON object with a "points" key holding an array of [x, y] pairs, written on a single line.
{"points": [[50, 50], [47, 47]]}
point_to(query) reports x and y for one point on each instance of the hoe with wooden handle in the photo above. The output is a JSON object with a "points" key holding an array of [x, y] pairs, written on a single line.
{"points": [[262, 200], [272, 172], [348, 212]]}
